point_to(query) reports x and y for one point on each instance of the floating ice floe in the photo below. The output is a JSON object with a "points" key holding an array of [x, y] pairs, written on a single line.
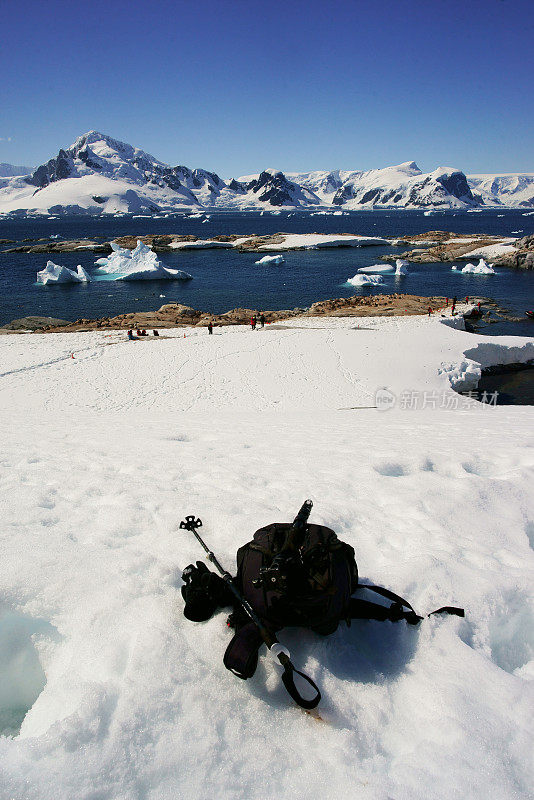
{"points": [[401, 266], [55, 273], [482, 268], [139, 264], [378, 269], [365, 280], [271, 260]]}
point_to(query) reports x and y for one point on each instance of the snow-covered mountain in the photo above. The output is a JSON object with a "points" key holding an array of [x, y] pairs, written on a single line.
{"points": [[514, 189], [100, 175], [276, 189], [402, 186], [10, 170]]}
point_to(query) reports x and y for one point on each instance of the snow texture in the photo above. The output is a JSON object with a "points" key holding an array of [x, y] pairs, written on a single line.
{"points": [[139, 264], [118, 696]]}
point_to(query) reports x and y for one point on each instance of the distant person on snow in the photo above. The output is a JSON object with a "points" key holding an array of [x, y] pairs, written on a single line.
{"points": [[131, 337], [210, 328], [253, 322], [262, 320], [155, 333]]}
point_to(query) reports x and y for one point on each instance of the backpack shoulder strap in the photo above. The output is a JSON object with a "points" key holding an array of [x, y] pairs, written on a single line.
{"points": [[364, 609]]}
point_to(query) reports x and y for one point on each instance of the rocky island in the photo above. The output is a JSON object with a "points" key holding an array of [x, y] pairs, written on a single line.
{"points": [[434, 246]]}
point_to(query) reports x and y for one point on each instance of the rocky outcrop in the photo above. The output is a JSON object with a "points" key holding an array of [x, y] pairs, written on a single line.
{"points": [[274, 188], [522, 258], [236, 186], [67, 246], [375, 305], [176, 315], [455, 184], [35, 324], [54, 170], [443, 246]]}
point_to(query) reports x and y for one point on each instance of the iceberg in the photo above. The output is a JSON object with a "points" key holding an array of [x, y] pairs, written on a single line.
{"points": [[482, 268], [365, 280], [401, 267], [378, 269], [271, 260], [139, 264], [55, 273]]}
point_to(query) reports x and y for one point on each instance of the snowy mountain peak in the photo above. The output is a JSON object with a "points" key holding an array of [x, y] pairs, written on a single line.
{"points": [[274, 188], [410, 166], [105, 147], [98, 174]]}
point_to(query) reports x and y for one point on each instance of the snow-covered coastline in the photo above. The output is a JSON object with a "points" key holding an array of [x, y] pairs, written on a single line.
{"points": [[109, 443]]}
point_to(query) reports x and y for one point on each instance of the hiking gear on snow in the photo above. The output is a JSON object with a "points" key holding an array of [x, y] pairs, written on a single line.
{"points": [[298, 574], [290, 674], [241, 655], [308, 579], [292, 574]]}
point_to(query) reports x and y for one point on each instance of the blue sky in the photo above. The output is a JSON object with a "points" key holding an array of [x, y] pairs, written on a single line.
{"points": [[239, 85]]}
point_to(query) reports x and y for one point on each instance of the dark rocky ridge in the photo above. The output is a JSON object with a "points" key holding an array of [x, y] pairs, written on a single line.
{"points": [[172, 315]]}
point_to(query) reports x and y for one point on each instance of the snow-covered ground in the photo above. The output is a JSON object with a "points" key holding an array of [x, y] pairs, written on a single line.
{"points": [[105, 452], [316, 240]]}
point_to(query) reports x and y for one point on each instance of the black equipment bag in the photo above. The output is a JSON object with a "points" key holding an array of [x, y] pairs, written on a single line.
{"points": [[310, 587], [316, 586]]}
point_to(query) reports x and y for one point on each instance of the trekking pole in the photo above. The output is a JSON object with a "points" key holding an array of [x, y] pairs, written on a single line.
{"points": [[277, 650]]}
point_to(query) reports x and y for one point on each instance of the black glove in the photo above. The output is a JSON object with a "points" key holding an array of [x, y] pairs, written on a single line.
{"points": [[203, 592]]}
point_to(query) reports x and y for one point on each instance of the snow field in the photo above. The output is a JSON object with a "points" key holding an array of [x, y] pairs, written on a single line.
{"points": [[239, 429]]}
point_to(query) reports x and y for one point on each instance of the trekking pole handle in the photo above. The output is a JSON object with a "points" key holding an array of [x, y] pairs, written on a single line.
{"points": [[277, 650], [311, 700]]}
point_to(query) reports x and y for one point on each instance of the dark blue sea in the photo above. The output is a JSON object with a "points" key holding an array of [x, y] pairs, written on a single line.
{"points": [[226, 279]]}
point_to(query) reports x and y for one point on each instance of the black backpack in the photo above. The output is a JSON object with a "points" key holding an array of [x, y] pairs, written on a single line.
{"points": [[318, 597]]}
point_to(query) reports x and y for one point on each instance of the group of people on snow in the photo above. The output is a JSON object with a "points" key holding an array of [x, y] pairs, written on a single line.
{"points": [[254, 321]]}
